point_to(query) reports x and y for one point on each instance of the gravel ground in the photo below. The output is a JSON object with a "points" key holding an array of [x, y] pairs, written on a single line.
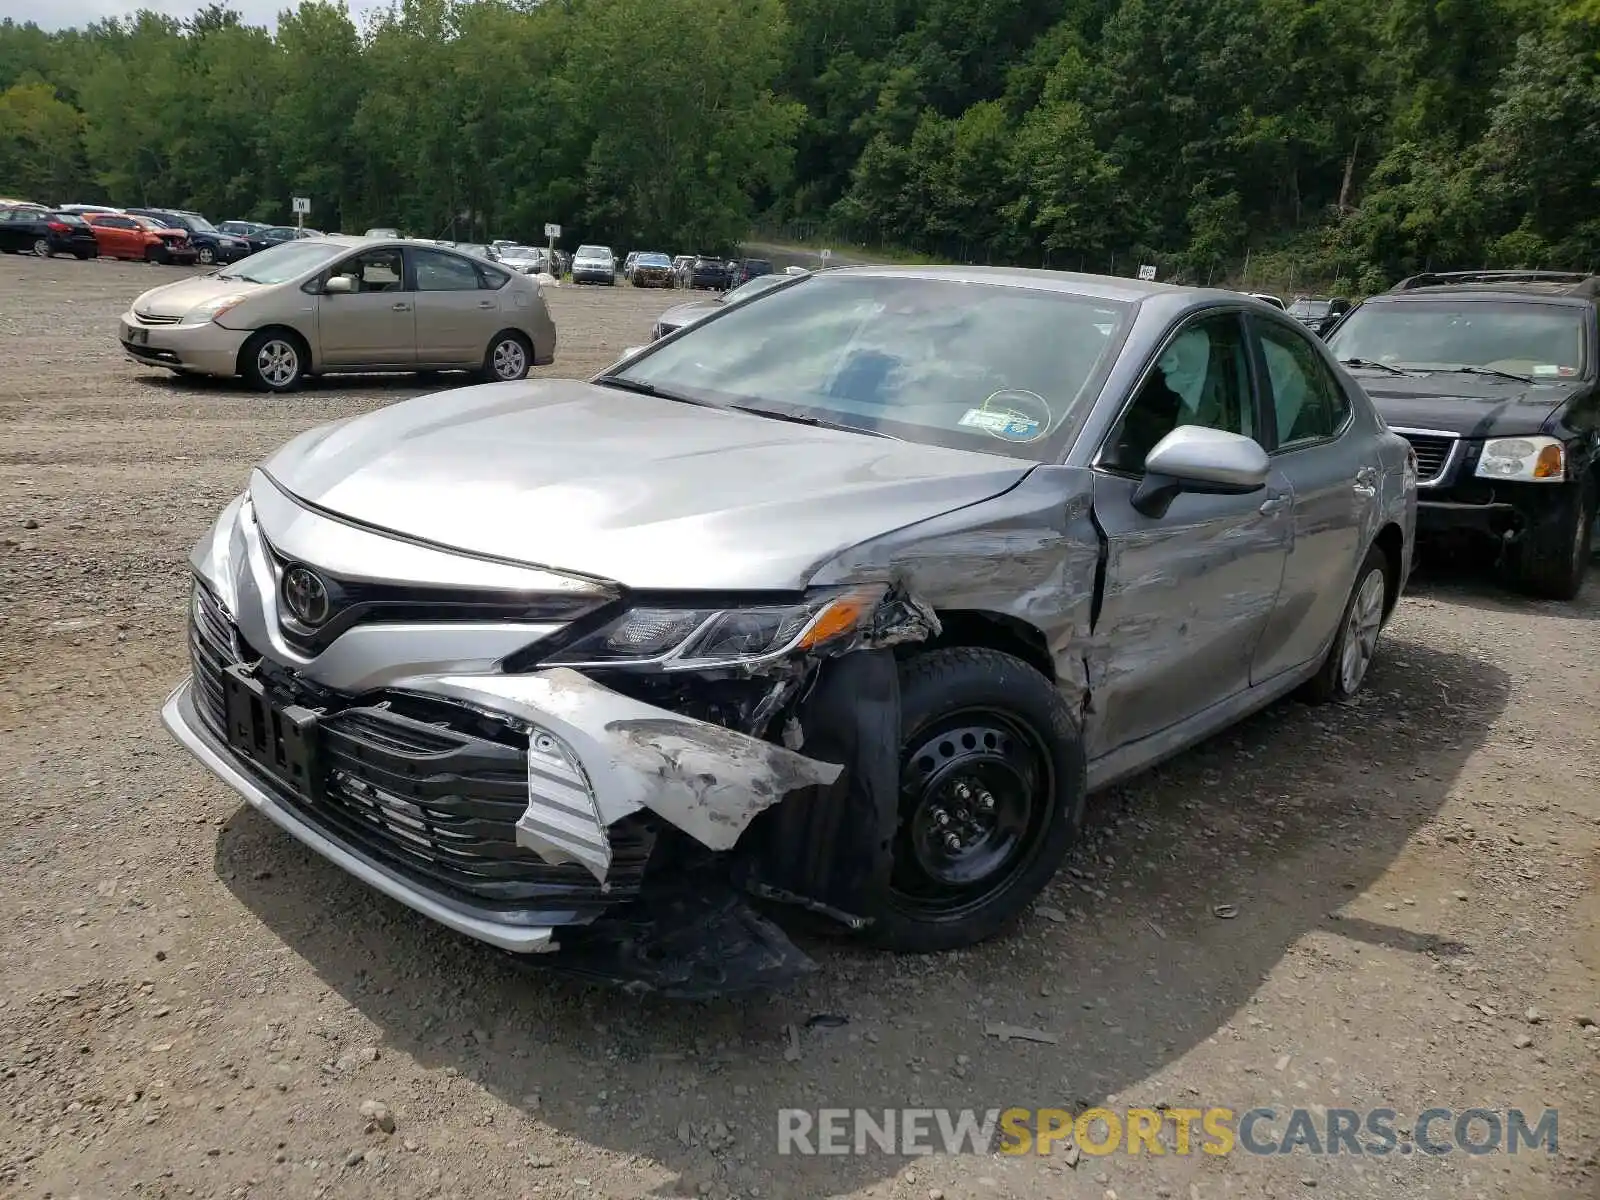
{"points": [[192, 1005]]}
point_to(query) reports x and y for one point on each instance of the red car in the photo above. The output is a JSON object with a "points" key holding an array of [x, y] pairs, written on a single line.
{"points": [[121, 235]]}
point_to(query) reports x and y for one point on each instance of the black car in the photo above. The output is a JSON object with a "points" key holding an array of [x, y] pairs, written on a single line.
{"points": [[1492, 378], [746, 269], [211, 244], [45, 232], [708, 271], [1318, 313], [242, 229]]}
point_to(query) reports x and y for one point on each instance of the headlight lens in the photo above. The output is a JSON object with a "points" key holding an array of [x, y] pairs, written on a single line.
{"points": [[679, 639], [210, 310], [1534, 459]]}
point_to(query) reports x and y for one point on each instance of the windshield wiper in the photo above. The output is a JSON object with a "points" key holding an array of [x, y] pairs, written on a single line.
{"points": [[1370, 364], [1467, 369], [817, 422], [640, 388]]}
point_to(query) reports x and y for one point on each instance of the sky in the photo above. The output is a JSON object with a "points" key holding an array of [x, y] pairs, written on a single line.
{"points": [[64, 14]]}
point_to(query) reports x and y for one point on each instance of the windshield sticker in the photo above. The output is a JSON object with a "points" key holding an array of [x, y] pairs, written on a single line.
{"points": [[1546, 371], [998, 416]]}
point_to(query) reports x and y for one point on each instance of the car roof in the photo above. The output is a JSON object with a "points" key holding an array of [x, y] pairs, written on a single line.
{"points": [[1573, 287]]}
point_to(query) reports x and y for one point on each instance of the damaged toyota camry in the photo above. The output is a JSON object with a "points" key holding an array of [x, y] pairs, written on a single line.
{"points": [[838, 603]]}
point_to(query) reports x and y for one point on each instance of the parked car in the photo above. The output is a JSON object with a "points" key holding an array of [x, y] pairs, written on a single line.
{"points": [[122, 236], [652, 270], [745, 269], [242, 229], [81, 209], [627, 265], [210, 244], [679, 315], [43, 232], [334, 304], [680, 269], [175, 248], [274, 235], [1269, 298], [527, 260], [476, 250], [382, 231], [1491, 376], [707, 271], [1318, 313], [791, 542], [594, 264]]}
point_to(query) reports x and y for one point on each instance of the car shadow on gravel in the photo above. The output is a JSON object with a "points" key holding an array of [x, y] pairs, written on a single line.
{"points": [[1475, 584], [406, 381], [1189, 888]]}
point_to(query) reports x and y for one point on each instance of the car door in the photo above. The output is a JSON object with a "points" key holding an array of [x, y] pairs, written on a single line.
{"points": [[15, 231], [456, 314], [1333, 473], [374, 325], [1186, 594], [109, 236]]}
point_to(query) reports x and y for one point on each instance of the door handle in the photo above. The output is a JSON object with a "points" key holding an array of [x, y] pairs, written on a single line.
{"points": [[402, 307], [486, 304], [1274, 506]]}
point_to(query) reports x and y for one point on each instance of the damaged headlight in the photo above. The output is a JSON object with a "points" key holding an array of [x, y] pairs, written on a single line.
{"points": [[680, 639], [1535, 459]]}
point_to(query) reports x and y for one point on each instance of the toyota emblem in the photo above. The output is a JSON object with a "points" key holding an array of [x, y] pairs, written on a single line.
{"points": [[306, 596]]}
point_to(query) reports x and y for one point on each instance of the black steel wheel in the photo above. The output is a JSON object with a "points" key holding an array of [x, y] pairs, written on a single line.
{"points": [[991, 798]]}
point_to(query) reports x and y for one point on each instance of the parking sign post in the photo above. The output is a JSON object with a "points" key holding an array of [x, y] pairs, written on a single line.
{"points": [[301, 206], [551, 232]]}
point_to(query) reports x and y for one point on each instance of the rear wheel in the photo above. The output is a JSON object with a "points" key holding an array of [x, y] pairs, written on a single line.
{"points": [[991, 798], [1356, 644], [1553, 558], [507, 359], [41, 247], [273, 361]]}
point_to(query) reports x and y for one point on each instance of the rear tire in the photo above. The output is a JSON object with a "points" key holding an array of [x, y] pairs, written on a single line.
{"points": [[274, 360], [41, 247], [508, 358], [991, 798], [1553, 559], [1356, 644]]}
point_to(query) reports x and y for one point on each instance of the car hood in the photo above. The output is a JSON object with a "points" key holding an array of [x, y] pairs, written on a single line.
{"points": [[175, 299], [1469, 405], [680, 315], [649, 493]]}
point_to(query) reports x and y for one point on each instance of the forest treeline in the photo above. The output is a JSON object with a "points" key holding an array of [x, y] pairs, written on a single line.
{"points": [[1357, 139]]}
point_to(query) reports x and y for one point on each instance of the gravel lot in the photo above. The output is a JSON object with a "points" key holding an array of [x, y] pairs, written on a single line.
{"points": [[192, 1005]]}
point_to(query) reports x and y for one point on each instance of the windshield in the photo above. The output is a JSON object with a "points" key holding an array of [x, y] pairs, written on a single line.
{"points": [[197, 223], [1534, 341], [150, 222], [652, 260], [968, 365], [519, 252], [1310, 308], [593, 252], [283, 262]]}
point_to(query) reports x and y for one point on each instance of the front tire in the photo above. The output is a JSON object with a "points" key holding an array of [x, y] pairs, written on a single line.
{"points": [[1356, 644], [1553, 559], [273, 361], [206, 255], [992, 787]]}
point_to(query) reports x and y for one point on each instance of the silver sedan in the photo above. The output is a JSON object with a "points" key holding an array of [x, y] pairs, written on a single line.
{"points": [[845, 598]]}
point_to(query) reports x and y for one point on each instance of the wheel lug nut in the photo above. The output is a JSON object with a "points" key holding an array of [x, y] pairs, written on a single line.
{"points": [[952, 842], [985, 802]]}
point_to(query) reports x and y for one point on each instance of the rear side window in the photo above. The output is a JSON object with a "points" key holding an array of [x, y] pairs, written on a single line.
{"points": [[492, 277], [1307, 400], [443, 272]]}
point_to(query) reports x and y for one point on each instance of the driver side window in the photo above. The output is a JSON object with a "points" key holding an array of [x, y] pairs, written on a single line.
{"points": [[1200, 378]]}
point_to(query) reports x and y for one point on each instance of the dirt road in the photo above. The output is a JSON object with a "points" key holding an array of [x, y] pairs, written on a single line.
{"points": [[1391, 904]]}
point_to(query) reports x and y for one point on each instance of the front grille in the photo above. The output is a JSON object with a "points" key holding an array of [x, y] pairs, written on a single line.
{"points": [[1433, 452], [428, 789], [155, 319]]}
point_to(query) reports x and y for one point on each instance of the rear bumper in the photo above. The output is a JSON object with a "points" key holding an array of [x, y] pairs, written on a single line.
{"points": [[207, 348], [184, 723]]}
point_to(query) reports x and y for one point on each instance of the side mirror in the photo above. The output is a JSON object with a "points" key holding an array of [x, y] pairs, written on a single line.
{"points": [[1193, 458], [339, 285]]}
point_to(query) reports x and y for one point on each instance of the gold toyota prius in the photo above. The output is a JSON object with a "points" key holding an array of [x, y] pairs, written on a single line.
{"points": [[339, 304]]}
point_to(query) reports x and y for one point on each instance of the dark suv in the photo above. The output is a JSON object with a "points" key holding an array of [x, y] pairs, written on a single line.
{"points": [[708, 271], [1491, 376], [745, 269]]}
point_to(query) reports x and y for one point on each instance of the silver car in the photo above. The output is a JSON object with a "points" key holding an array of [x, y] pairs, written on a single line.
{"points": [[844, 600], [679, 315], [339, 304]]}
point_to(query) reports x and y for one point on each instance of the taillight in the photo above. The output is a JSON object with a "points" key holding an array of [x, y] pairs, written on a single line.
{"points": [[57, 226]]}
